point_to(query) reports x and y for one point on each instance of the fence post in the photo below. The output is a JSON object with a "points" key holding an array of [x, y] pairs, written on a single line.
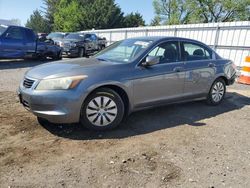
{"points": [[110, 37], [146, 32], [217, 34], [175, 31], [126, 34]]}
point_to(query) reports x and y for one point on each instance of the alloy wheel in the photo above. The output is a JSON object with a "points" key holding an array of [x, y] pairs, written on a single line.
{"points": [[218, 91]]}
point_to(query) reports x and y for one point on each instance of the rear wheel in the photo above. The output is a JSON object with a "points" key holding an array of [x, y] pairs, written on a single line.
{"points": [[217, 92], [102, 110]]}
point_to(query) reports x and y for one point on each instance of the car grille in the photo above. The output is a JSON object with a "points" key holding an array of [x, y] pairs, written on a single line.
{"points": [[66, 45], [27, 83]]}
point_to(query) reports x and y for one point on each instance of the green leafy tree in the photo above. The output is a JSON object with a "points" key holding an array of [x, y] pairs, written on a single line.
{"points": [[37, 22], [218, 10], [68, 16], [16, 21], [156, 21], [75, 15], [170, 11], [48, 9], [100, 14], [200, 11], [133, 20]]}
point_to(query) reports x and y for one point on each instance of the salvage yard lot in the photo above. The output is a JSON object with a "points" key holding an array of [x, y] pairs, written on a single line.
{"points": [[181, 145]]}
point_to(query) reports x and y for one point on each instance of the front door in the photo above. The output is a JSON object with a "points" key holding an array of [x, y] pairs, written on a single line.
{"points": [[163, 81], [13, 42]]}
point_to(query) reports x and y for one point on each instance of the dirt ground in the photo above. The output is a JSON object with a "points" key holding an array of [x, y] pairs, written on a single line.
{"points": [[182, 145]]}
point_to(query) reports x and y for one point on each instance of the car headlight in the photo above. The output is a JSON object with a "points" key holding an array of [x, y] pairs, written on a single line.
{"points": [[60, 83], [73, 45]]}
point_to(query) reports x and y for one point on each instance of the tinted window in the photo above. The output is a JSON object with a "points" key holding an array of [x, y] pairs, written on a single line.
{"points": [[93, 37], [194, 52], [75, 36], [14, 33], [30, 36], [87, 36], [167, 52], [2, 29], [55, 35]]}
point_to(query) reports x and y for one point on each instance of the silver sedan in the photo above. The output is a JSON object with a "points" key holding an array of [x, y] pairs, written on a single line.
{"points": [[129, 75]]}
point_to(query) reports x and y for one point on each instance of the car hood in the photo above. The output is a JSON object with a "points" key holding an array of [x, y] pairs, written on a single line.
{"points": [[70, 40], [71, 67]]}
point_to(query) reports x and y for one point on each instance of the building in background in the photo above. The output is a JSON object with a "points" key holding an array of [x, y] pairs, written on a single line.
{"points": [[10, 22]]}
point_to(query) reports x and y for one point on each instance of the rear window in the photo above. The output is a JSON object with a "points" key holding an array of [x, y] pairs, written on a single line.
{"points": [[194, 52]]}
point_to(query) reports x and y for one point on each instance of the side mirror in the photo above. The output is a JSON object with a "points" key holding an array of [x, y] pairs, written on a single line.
{"points": [[151, 60]]}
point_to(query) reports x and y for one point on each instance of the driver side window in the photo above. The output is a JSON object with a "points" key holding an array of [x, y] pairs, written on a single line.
{"points": [[167, 52], [15, 33]]}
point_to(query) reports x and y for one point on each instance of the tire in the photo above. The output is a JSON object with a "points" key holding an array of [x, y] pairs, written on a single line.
{"points": [[81, 52], [42, 121], [58, 56], [217, 92], [102, 110]]}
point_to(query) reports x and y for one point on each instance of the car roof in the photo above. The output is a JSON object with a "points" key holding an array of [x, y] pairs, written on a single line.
{"points": [[20, 27], [163, 38]]}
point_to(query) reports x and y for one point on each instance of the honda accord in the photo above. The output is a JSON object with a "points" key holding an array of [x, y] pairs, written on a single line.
{"points": [[129, 75]]}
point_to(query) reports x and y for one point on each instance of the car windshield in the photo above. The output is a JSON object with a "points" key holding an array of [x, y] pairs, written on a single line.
{"points": [[75, 36], [2, 29], [124, 51], [55, 35]]}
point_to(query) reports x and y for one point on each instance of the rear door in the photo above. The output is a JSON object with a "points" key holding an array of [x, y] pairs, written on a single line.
{"points": [[13, 42], [199, 66]]}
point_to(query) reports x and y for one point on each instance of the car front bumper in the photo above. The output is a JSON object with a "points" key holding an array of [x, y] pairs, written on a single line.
{"points": [[56, 106], [71, 51]]}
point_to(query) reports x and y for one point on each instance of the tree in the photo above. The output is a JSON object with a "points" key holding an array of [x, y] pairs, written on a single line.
{"points": [[67, 17], [100, 14], [218, 10], [16, 21], [156, 21], [133, 20], [37, 23], [170, 11], [200, 11], [48, 10], [75, 15]]}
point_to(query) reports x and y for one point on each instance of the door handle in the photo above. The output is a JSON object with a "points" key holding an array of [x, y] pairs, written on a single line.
{"points": [[211, 65], [178, 69]]}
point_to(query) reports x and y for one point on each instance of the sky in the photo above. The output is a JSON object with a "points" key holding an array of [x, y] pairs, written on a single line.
{"points": [[22, 9]]}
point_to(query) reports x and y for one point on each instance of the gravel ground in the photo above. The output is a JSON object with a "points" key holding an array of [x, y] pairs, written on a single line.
{"points": [[182, 145]]}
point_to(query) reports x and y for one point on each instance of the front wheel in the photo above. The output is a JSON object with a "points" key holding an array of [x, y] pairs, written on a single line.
{"points": [[58, 56], [81, 52], [102, 110], [217, 92]]}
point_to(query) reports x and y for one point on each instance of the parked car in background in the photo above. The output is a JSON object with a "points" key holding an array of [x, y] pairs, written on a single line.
{"points": [[129, 75], [22, 42], [102, 42], [42, 37], [82, 44], [56, 37]]}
